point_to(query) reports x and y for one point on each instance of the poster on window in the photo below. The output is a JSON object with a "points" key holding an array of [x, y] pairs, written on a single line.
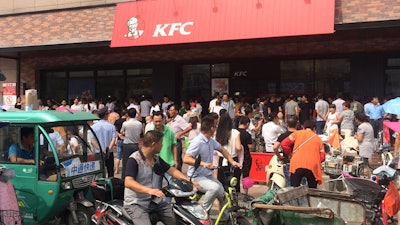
{"points": [[220, 85], [9, 94]]}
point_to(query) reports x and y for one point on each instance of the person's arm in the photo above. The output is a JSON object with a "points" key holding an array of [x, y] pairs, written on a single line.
{"points": [[396, 145], [112, 143], [258, 126], [135, 186], [175, 173], [190, 160], [238, 144], [359, 136], [287, 144], [228, 156], [175, 153], [186, 130], [276, 150]]}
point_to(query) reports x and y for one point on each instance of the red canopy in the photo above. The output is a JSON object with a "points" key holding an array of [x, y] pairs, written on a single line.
{"points": [[157, 22]]}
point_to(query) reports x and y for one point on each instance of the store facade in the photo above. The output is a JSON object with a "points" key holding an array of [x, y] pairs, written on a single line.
{"points": [[63, 53]]}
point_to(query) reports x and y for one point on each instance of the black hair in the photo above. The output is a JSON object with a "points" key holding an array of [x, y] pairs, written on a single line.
{"points": [[152, 136], [292, 121], [158, 113], [309, 124], [224, 130], [206, 123], [244, 120], [132, 112], [26, 131]]}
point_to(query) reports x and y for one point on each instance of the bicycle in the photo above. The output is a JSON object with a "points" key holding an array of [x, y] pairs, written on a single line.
{"points": [[237, 203]]}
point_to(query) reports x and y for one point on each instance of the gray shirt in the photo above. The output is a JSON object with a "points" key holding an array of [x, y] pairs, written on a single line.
{"points": [[290, 108], [132, 129], [322, 107], [347, 120], [145, 107], [367, 145]]}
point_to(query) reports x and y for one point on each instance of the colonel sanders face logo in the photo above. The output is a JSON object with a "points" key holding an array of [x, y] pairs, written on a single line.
{"points": [[133, 32]]}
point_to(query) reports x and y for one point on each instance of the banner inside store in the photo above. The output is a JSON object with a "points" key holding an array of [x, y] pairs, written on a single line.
{"points": [[159, 22]]}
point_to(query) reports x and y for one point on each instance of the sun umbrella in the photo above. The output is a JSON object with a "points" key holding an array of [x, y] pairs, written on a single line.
{"points": [[395, 126], [392, 106]]}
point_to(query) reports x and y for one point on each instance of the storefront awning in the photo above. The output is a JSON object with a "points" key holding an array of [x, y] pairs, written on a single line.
{"points": [[158, 22]]}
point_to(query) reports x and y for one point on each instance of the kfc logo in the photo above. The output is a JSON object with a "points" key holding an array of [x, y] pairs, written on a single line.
{"points": [[133, 31], [168, 29]]}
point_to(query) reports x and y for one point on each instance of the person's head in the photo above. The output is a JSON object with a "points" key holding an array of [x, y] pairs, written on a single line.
{"points": [[375, 100], [360, 117], [339, 95], [208, 125], [292, 122], [346, 105], [153, 140], [103, 113], [76, 101], [216, 95], [225, 97], [272, 98], [173, 110], [149, 119], [158, 119], [223, 112], [218, 102], [274, 116], [332, 108], [304, 98], [132, 24], [244, 122], [132, 113], [27, 136], [215, 116], [319, 96], [64, 102], [309, 124], [183, 104], [280, 115], [194, 120], [166, 98], [124, 113], [248, 111]]}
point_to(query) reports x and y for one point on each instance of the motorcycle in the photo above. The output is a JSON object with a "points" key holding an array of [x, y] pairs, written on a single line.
{"points": [[186, 211], [9, 211]]}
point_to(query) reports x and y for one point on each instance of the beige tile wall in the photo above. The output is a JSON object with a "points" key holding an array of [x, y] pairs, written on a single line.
{"points": [[22, 6]]}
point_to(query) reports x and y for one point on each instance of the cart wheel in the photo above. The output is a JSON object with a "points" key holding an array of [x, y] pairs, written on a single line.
{"points": [[84, 215]]}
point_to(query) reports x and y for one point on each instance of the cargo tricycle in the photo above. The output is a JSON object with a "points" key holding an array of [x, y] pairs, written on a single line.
{"points": [[55, 156]]}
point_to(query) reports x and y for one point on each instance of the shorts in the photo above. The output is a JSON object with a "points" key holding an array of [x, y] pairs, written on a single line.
{"points": [[119, 149]]}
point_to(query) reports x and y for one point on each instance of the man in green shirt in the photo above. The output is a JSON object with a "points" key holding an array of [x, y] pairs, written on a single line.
{"points": [[168, 150]]}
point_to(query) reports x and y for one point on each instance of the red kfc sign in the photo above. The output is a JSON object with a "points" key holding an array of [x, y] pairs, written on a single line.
{"points": [[157, 22]]}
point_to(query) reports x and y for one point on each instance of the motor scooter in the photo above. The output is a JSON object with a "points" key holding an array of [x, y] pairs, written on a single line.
{"points": [[9, 210], [186, 211], [275, 174]]}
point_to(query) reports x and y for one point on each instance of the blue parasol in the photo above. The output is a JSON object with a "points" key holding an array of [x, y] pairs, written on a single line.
{"points": [[392, 106]]}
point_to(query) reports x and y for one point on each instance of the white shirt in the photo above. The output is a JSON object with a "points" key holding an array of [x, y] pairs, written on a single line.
{"points": [[270, 133], [212, 104]]}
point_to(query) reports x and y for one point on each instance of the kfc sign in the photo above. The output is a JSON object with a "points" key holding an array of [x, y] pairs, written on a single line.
{"points": [[169, 29], [158, 22]]}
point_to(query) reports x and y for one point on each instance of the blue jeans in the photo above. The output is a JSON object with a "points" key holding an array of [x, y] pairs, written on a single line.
{"points": [[120, 143], [212, 189], [287, 174], [320, 126]]}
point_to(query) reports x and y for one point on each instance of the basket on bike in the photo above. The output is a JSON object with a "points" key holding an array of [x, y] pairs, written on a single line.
{"points": [[10, 217]]}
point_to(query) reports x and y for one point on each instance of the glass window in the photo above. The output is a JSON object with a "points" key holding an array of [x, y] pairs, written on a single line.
{"points": [[8, 136], [110, 73], [139, 72], [296, 76], [392, 82], [196, 80], [141, 85], [81, 74], [394, 62], [56, 85], [220, 70], [332, 76]]}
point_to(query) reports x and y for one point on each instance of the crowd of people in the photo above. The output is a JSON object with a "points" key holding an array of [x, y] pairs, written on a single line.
{"points": [[224, 134]]}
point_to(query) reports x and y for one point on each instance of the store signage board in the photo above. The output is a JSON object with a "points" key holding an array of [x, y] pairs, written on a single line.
{"points": [[159, 22]]}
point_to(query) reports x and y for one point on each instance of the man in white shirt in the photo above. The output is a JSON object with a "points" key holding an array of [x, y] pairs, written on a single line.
{"points": [[213, 102], [338, 102], [321, 108], [271, 131]]}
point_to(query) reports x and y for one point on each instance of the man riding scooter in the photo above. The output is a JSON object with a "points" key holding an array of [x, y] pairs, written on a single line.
{"points": [[142, 195]]}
